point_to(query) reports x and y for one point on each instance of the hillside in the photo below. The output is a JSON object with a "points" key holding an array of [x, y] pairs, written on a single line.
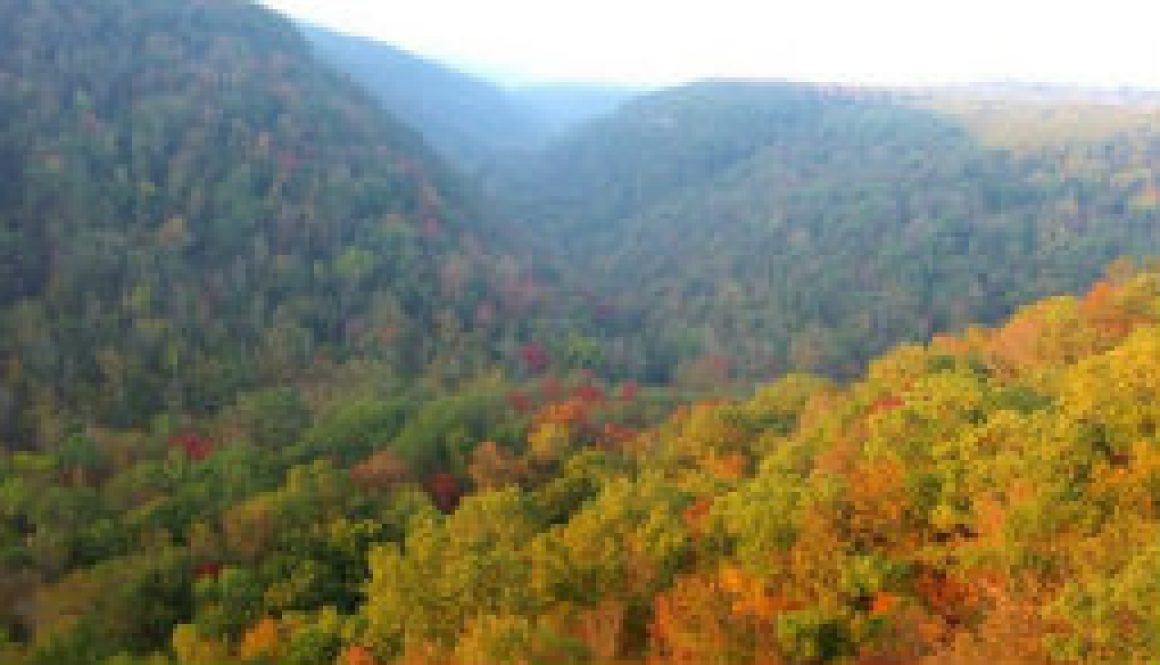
{"points": [[193, 205], [316, 353], [468, 119], [989, 497], [774, 226]]}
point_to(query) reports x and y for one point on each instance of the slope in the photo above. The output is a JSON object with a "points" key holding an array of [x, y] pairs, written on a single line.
{"points": [[193, 205], [468, 119], [766, 226], [987, 497]]}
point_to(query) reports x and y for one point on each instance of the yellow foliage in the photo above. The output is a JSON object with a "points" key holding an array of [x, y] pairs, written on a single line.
{"points": [[548, 441], [194, 649]]}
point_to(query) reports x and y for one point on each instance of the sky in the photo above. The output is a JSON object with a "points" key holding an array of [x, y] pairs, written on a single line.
{"points": [[1106, 43]]}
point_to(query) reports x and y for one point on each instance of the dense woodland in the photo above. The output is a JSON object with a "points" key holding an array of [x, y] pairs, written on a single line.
{"points": [[990, 496], [780, 226], [731, 373], [195, 207]]}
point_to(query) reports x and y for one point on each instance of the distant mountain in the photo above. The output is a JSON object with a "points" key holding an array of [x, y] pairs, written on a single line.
{"points": [[192, 205], [468, 118], [563, 106], [758, 227]]}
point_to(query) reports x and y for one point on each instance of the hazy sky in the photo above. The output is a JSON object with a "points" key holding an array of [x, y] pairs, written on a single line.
{"points": [[1105, 42]]}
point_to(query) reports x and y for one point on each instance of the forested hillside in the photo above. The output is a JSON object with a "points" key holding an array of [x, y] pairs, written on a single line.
{"points": [[988, 497], [191, 205], [772, 226], [281, 385]]}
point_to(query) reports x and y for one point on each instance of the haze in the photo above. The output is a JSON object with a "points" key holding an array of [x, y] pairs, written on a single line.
{"points": [[1107, 44]]}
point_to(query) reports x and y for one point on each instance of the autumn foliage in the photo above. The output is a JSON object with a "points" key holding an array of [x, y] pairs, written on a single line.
{"points": [[991, 497], [195, 447]]}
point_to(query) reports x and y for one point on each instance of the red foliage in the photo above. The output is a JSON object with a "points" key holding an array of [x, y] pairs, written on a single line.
{"points": [[535, 357], [945, 596], [629, 391], [550, 389], [445, 491], [195, 447], [695, 514], [588, 393], [520, 402], [617, 434], [888, 403], [207, 569]]}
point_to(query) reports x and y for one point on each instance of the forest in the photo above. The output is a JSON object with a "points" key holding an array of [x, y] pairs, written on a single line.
{"points": [[315, 352]]}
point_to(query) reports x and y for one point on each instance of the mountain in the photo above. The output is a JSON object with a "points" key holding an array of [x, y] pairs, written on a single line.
{"points": [[469, 119], [192, 205], [563, 106], [281, 384], [765, 226]]}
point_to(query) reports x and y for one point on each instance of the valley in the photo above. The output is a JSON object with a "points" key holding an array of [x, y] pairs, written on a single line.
{"points": [[315, 351]]}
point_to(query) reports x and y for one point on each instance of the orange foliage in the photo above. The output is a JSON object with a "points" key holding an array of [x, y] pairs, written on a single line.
{"points": [[614, 434], [381, 471], [839, 458], [1132, 484], [1103, 311], [568, 412], [493, 467], [694, 515], [951, 602], [883, 602], [878, 502], [693, 624], [357, 655], [1011, 631], [262, 640], [950, 345], [601, 628], [751, 596], [733, 466]]}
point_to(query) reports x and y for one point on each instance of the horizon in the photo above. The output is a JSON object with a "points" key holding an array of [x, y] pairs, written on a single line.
{"points": [[894, 43]]}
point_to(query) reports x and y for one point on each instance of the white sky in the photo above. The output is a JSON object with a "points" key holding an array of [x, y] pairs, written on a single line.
{"points": [[1101, 43]]}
